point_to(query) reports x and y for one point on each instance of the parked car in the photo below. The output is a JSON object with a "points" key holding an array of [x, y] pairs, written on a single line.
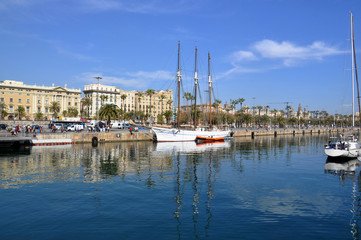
{"points": [[74, 128], [58, 125], [3, 126]]}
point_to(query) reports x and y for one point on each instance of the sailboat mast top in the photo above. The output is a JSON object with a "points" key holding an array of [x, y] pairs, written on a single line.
{"points": [[195, 88], [210, 90], [353, 75]]}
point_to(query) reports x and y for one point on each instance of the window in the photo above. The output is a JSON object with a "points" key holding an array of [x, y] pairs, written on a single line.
{"points": [[20, 94], [19, 100], [28, 94], [11, 108], [46, 102], [11, 99], [39, 109], [2, 93], [11, 93], [76, 104], [39, 101], [27, 100], [1, 99], [69, 103], [46, 109], [27, 109]]}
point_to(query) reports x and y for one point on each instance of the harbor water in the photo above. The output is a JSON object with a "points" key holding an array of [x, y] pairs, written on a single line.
{"points": [[265, 188]]}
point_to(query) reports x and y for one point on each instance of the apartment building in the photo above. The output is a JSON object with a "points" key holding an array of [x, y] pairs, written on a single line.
{"points": [[37, 99], [155, 104], [128, 101], [101, 94]]}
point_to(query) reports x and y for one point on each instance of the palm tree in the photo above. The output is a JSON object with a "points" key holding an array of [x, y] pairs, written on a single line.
{"points": [[65, 113], [108, 112], [267, 108], [103, 98], [123, 97], [87, 102], [240, 101], [188, 96], [150, 93], [39, 116], [170, 102], [21, 112], [72, 112], [140, 95], [161, 98], [3, 108], [54, 108], [234, 103], [168, 114], [288, 108]]}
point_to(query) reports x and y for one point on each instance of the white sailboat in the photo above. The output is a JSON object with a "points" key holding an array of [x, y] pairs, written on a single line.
{"points": [[182, 135], [347, 146]]}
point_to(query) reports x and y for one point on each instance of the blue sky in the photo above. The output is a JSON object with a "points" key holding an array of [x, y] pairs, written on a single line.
{"points": [[266, 51]]}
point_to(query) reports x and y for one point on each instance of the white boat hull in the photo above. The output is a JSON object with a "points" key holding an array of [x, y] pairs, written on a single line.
{"points": [[180, 135], [352, 153]]}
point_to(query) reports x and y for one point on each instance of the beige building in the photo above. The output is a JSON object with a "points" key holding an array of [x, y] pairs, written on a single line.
{"points": [[156, 104], [37, 99], [128, 101], [101, 94]]}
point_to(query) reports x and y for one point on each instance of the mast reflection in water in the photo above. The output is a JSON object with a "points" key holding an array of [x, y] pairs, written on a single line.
{"points": [[266, 188]]}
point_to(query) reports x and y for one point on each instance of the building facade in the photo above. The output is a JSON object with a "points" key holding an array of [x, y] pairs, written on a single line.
{"points": [[37, 99], [99, 95], [155, 104], [128, 101]]}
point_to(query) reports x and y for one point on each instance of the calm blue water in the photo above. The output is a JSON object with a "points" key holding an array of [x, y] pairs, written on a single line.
{"points": [[267, 188]]}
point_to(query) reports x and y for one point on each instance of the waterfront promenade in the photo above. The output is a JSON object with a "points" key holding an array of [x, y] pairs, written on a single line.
{"points": [[124, 135]]}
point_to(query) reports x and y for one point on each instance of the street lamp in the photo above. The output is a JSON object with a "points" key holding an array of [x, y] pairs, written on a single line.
{"points": [[97, 102]]}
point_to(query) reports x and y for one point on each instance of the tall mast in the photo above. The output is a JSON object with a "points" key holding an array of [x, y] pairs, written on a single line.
{"points": [[210, 90], [179, 79], [353, 74], [357, 84], [195, 89]]}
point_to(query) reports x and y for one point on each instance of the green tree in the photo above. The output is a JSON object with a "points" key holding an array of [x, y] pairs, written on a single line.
{"points": [[241, 101], [150, 93], [73, 112], [246, 118], [87, 102], [39, 116], [55, 109], [21, 112], [108, 112], [160, 119], [123, 97], [3, 110], [168, 114]]}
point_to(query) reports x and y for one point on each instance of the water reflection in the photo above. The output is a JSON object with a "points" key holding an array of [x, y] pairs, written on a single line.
{"points": [[346, 169], [200, 189]]}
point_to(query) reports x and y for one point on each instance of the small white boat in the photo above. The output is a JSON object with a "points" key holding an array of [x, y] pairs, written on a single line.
{"points": [[343, 147]]}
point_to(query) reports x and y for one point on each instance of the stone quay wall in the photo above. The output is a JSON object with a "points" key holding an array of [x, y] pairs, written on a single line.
{"points": [[88, 137], [147, 135], [276, 132]]}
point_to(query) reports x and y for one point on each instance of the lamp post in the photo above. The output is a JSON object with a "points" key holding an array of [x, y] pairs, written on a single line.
{"points": [[97, 102]]}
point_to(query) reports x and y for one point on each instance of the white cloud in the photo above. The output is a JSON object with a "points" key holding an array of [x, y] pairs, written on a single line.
{"points": [[266, 52], [287, 50], [243, 56]]}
